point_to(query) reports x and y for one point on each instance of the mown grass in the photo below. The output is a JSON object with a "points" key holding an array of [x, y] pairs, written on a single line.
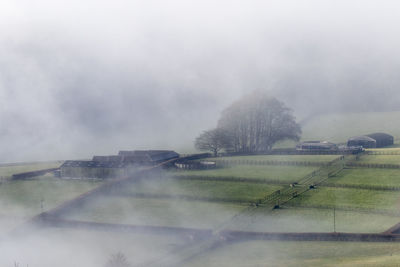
{"points": [[278, 253], [290, 158], [367, 176], [8, 171], [269, 172], [234, 191], [314, 220], [156, 212], [352, 198]]}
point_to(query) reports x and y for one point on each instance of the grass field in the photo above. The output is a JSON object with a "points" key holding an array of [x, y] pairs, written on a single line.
{"points": [[245, 192], [24, 198], [287, 174], [197, 214], [278, 253], [380, 159], [294, 219], [290, 158], [367, 176], [352, 198], [8, 171]]}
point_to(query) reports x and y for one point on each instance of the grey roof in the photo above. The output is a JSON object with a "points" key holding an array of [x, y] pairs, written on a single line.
{"points": [[362, 138], [380, 135], [92, 164]]}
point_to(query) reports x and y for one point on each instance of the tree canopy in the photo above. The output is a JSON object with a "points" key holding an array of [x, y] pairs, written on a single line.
{"points": [[252, 124]]}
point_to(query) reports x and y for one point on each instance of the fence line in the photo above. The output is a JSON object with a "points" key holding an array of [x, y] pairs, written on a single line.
{"points": [[373, 165]]}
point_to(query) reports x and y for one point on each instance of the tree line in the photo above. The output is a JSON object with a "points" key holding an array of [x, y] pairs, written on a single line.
{"points": [[252, 124]]}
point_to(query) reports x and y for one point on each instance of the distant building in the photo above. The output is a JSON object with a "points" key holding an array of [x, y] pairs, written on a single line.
{"points": [[382, 139], [316, 145], [115, 165], [362, 140]]}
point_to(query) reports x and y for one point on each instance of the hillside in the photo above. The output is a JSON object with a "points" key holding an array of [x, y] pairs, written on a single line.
{"points": [[338, 127]]}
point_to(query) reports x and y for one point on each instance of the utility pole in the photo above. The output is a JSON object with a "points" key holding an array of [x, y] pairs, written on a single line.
{"points": [[334, 220]]}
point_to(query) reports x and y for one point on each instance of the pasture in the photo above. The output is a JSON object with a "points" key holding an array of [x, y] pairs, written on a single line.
{"points": [[156, 212], [285, 174], [212, 190], [284, 253]]}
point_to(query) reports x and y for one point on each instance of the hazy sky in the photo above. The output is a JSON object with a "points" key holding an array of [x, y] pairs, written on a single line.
{"points": [[79, 78]]}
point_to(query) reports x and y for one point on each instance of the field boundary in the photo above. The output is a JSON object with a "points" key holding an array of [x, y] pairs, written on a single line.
{"points": [[373, 165], [347, 208]]}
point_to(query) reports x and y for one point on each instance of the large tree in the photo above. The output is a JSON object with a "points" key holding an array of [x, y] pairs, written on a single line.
{"points": [[256, 122], [212, 140]]}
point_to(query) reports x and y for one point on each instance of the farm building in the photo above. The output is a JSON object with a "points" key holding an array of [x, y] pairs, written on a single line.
{"points": [[316, 145], [363, 140], [382, 139], [114, 165]]}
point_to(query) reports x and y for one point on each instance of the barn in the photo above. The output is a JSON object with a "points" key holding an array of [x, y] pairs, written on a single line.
{"points": [[382, 139], [114, 165], [362, 140]]}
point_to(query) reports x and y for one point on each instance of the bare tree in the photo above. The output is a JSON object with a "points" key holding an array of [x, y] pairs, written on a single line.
{"points": [[118, 260], [212, 140], [256, 122]]}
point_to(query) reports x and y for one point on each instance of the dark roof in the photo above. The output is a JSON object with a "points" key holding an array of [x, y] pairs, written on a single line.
{"points": [[92, 164], [380, 136], [152, 155], [362, 138]]}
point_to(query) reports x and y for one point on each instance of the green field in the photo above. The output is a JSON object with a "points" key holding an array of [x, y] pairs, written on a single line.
{"points": [[245, 192], [351, 198], [24, 198], [278, 253], [287, 174], [156, 212], [8, 171], [367, 176], [380, 159], [293, 219], [286, 158]]}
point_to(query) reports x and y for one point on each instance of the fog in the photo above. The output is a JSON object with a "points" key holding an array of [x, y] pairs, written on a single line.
{"points": [[78, 78]]}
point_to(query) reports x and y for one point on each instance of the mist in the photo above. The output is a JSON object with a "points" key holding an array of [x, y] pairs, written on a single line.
{"points": [[78, 79]]}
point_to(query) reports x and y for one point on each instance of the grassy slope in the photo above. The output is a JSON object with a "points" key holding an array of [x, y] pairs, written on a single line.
{"points": [[314, 220], [208, 189], [276, 253], [195, 214], [8, 171], [302, 158], [23, 198], [353, 198], [367, 176], [380, 159], [340, 126], [283, 173]]}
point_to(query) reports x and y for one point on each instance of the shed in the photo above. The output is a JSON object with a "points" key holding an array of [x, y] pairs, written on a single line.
{"points": [[316, 145], [382, 139], [362, 140]]}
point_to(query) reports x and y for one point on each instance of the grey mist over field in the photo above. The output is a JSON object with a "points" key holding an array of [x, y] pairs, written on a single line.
{"points": [[82, 78]]}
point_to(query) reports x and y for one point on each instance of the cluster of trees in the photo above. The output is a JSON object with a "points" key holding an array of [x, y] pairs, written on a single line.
{"points": [[253, 124]]}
